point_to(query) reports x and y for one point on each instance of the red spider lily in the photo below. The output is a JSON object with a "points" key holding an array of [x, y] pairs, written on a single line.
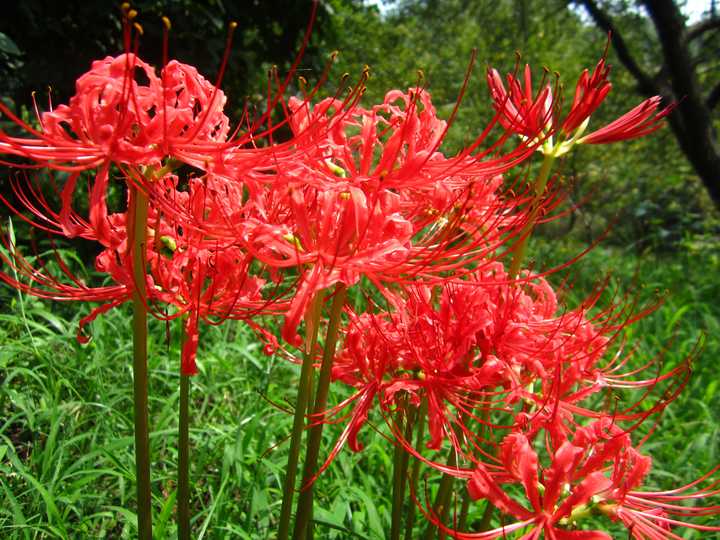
{"points": [[553, 495], [374, 196], [124, 116], [483, 344], [529, 114], [114, 118], [520, 111], [123, 112], [108, 118], [200, 277], [593, 473], [439, 352], [203, 278], [652, 515]]}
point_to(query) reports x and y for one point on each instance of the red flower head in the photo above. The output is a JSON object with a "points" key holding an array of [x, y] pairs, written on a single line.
{"points": [[594, 473], [537, 116], [125, 121], [374, 196]]}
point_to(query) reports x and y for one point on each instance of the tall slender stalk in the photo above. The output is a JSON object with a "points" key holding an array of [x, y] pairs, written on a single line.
{"points": [[539, 188], [442, 498], [486, 517], [415, 471], [303, 512], [400, 466], [137, 231], [183, 486], [310, 532], [464, 509], [302, 404]]}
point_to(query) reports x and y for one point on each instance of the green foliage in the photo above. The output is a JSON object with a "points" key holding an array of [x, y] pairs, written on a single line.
{"points": [[66, 460]]}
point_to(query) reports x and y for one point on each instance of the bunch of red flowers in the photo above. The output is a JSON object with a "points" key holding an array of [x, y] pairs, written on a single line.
{"points": [[486, 357]]}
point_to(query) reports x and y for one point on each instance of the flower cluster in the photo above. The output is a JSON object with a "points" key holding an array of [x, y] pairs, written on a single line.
{"points": [[240, 224], [531, 115]]}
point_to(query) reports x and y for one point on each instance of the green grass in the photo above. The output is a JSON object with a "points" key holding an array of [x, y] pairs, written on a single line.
{"points": [[66, 454]]}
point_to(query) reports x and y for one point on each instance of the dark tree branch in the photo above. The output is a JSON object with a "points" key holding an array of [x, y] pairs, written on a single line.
{"points": [[691, 120], [697, 30], [713, 97], [696, 138]]}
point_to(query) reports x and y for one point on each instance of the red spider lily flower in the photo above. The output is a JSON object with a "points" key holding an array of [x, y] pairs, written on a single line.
{"points": [[520, 111], [532, 115], [125, 117], [122, 112], [441, 344], [199, 277], [336, 214], [108, 118], [559, 362], [480, 344], [202, 278], [651, 515], [554, 496], [593, 473]]}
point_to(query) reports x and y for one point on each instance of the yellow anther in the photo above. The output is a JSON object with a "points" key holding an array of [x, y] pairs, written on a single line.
{"points": [[166, 22], [138, 28], [290, 237], [169, 243], [131, 14], [336, 169], [233, 25], [345, 195], [125, 6]]}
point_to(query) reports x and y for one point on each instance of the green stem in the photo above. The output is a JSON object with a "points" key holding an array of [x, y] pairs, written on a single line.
{"points": [[310, 532], [415, 472], [486, 517], [183, 504], [464, 509], [302, 404], [539, 188], [442, 498], [137, 231], [400, 466], [303, 514]]}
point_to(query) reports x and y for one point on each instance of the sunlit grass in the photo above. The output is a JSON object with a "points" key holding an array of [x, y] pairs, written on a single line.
{"points": [[66, 455]]}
